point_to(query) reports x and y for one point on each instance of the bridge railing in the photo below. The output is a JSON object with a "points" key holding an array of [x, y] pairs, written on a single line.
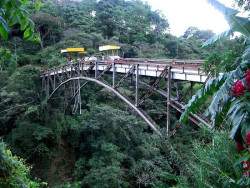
{"points": [[172, 62]]}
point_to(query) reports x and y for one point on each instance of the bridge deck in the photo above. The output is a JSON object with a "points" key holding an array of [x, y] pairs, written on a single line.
{"points": [[189, 70]]}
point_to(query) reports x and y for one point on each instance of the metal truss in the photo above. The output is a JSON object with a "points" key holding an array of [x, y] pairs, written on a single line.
{"points": [[69, 78]]}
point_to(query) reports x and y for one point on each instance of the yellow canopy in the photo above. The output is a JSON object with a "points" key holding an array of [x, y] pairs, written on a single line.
{"points": [[75, 49], [109, 47], [84, 52], [79, 50]]}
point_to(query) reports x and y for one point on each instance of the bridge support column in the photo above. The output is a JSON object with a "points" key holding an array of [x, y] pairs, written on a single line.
{"points": [[79, 96], [136, 84], [95, 70], [54, 79], [113, 66], [168, 101], [47, 91]]}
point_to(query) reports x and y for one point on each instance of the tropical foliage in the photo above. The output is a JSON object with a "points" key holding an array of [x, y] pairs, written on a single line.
{"points": [[230, 105], [14, 172], [108, 145]]}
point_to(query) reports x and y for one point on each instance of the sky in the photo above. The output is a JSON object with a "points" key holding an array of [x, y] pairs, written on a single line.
{"points": [[184, 13]]}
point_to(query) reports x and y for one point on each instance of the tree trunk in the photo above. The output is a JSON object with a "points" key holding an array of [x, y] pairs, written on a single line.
{"points": [[41, 44]]}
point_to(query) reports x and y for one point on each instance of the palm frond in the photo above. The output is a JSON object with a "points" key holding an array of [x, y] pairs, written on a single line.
{"points": [[236, 23]]}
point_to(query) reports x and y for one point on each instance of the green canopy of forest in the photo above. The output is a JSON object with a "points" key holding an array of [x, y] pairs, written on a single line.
{"points": [[107, 145]]}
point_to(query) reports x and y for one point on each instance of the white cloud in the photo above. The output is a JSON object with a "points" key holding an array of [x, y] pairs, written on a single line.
{"points": [[184, 13]]}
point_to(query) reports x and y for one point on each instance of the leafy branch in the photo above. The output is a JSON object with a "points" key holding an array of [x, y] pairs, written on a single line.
{"points": [[223, 105], [13, 12]]}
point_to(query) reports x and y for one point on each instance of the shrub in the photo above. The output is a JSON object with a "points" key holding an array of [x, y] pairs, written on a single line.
{"points": [[14, 172]]}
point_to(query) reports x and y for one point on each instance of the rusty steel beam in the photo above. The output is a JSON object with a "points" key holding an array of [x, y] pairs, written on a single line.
{"points": [[175, 129], [149, 92], [131, 70], [108, 67], [184, 61], [173, 99], [181, 111], [186, 92]]}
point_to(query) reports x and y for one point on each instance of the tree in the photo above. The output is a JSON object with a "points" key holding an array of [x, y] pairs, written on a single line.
{"points": [[45, 24], [194, 32], [12, 13], [245, 4], [190, 32], [14, 172]]}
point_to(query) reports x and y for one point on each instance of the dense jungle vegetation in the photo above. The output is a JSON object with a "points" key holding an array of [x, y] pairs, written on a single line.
{"points": [[44, 145]]}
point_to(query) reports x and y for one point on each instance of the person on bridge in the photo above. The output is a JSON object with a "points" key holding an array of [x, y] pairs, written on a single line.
{"points": [[82, 59]]}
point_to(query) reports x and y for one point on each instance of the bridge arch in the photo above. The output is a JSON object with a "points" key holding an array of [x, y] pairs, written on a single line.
{"points": [[118, 94]]}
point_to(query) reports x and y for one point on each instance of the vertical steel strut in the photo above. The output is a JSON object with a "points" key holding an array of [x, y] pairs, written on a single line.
{"points": [[47, 85], [130, 72], [54, 79], [168, 103], [113, 83], [79, 97], [108, 67], [136, 84], [96, 69]]}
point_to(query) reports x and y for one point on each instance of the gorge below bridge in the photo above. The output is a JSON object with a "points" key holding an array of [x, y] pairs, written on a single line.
{"points": [[72, 77]]}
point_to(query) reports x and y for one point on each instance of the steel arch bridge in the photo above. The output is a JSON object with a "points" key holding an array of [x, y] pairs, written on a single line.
{"points": [[74, 76]]}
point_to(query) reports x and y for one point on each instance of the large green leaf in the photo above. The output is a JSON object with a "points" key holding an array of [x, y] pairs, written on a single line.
{"points": [[26, 33], [211, 87], [236, 23], [3, 32], [2, 12], [241, 159], [24, 23], [24, 2], [245, 128], [246, 54], [4, 24], [222, 8], [217, 37]]}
